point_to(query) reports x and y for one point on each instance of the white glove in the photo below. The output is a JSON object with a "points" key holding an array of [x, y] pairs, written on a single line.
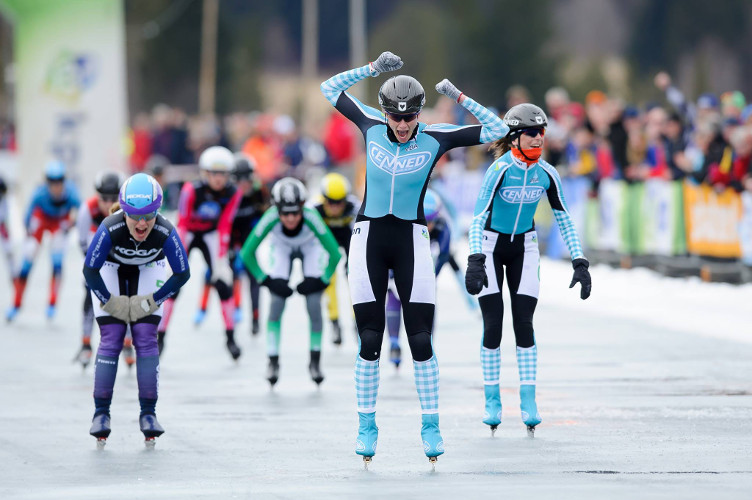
{"points": [[222, 272], [118, 307], [448, 89], [386, 62], [141, 306]]}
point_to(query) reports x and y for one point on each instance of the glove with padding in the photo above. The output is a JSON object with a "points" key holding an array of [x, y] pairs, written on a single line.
{"points": [[277, 286], [386, 62], [448, 89], [118, 307], [581, 276], [141, 306], [475, 276], [311, 285]]}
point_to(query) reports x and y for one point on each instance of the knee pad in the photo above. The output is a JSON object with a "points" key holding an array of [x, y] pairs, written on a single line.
{"points": [[370, 344], [420, 346]]}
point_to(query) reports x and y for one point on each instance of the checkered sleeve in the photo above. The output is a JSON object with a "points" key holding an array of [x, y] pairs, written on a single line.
{"points": [[493, 126], [333, 87], [567, 229], [475, 235]]}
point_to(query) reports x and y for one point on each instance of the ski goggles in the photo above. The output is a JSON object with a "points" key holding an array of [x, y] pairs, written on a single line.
{"points": [[140, 217], [533, 132], [407, 118]]}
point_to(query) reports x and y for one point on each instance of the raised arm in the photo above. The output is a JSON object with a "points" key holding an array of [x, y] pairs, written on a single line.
{"points": [[492, 127]]}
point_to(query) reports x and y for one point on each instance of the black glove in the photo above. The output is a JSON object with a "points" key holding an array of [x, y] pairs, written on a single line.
{"points": [[311, 285], [581, 276], [475, 277], [277, 286]]}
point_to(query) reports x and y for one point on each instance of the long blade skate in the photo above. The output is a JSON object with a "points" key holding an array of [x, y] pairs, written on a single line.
{"points": [[151, 429], [531, 431], [272, 370], [432, 461], [100, 429], [366, 462]]}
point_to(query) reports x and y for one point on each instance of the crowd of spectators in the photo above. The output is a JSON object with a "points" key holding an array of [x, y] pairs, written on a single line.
{"points": [[708, 140]]}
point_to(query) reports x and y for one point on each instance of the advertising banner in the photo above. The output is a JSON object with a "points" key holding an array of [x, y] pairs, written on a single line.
{"points": [[712, 221], [69, 59]]}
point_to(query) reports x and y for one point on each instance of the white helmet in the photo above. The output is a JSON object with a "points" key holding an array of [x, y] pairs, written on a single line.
{"points": [[216, 159]]}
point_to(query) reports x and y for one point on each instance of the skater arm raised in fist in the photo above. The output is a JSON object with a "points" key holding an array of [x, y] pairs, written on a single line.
{"points": [[248, 252], [334, 91], [581, 276], [313, 220], [385, 62]]}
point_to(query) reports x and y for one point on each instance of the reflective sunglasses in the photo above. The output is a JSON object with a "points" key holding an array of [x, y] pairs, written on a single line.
{"points": [[533, 132], [406, 117], [109, 198], [139, 217]]}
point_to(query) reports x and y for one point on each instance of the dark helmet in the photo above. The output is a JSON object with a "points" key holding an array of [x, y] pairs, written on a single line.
{"points": [[524, 116], [244, 166], [289, 195], [108, 183], [402, 94]]}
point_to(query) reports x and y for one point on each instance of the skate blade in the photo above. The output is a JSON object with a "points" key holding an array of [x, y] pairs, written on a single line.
{"points": [[531, 431], [432, 461], [150, 442], [493, 430], [101, 442], [367, 461]]}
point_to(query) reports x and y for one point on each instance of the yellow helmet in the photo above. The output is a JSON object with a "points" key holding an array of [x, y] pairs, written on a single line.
{"points": [[335, 187]]}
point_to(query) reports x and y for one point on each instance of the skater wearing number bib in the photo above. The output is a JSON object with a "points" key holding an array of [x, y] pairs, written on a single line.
{"points": [[390, 231], [502, 235], [126, 270]]}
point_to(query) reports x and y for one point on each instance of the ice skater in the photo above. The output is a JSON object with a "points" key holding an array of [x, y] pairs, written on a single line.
{"points": [[206, 210], [502, 236], [126, 270], [338, 208], [390, 231], [52, 210], [296, 232]]}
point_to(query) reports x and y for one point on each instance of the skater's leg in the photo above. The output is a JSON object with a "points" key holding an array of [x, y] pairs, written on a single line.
{"points": [[57, 251], [416, 285], [522, 275], [368, 275], [147, 364], [105, 368], [255, 303], [313, 303]]}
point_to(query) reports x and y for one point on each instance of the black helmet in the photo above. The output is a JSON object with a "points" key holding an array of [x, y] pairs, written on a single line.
{"points": [[402, 94], [108, 183], [524, 116], [244, 166], [289, 195]]}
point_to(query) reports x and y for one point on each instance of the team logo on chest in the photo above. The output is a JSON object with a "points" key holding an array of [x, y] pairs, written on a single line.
{"points": [[516, 194], [396, 165]]}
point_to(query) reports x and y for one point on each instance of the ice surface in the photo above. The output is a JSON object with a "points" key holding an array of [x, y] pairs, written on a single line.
{"points": [[644, 391]]}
